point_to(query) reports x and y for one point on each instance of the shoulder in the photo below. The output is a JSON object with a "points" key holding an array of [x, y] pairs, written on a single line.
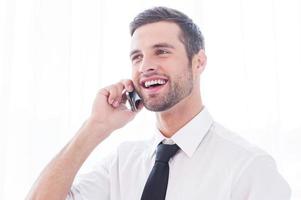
{"points": [[231, 142], [250, 166], [232, 151]]}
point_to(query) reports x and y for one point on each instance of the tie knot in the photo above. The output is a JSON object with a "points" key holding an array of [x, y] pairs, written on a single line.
{"points": [[165, 152]]}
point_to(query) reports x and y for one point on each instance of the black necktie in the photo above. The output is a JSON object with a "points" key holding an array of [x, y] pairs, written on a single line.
{"points": [[156, 184]]}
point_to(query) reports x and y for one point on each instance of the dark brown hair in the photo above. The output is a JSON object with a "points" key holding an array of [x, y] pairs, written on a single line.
{"points": [[191, 36]]}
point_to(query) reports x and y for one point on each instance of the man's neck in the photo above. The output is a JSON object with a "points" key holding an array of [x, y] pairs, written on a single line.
{"points": [[170, 121]]}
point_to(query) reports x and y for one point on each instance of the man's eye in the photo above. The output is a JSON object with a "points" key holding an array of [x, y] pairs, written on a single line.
{"points": [[136, 58], [161, 51]]}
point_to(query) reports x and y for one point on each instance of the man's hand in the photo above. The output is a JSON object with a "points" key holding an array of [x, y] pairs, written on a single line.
{"points": [[108, 114], [109, 107]]}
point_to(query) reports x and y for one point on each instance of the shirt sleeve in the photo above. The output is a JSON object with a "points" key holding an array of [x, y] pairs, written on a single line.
{"points": [[260, 180], [93, 185]]}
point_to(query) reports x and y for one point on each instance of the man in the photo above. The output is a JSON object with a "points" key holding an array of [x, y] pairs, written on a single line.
{"points": [[190, 156]]}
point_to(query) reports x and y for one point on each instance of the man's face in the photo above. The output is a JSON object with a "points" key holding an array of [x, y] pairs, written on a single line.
{"points": [[161, 71]]}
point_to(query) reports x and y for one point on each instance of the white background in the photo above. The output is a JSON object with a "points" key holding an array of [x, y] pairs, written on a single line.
{"points": [[55, 55]]}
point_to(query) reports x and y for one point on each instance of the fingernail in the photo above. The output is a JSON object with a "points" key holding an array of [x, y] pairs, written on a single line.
{"points": [[115, 103], [130, 88]]}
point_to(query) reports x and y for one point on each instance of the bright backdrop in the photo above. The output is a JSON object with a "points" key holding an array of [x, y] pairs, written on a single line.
{"points": [[55, 55]]}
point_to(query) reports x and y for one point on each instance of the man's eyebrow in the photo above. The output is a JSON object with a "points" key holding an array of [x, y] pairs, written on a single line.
{"points": [[159, 45], [165, 45], [134, 52]]}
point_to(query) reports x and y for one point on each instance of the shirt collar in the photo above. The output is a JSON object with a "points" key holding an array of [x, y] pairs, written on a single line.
{"points": [[189, 136]]}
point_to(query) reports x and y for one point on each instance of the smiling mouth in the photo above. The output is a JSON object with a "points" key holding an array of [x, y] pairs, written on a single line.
{"points": [[155, 83]]}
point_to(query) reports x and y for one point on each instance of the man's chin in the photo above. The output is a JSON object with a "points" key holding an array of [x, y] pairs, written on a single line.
{"points": [[157, 107]]}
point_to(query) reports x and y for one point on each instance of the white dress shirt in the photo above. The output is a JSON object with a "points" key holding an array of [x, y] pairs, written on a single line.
{"points": [[212, 164]]}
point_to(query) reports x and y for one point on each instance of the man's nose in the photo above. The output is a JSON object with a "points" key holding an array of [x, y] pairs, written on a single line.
{"points": [[147, 65]]}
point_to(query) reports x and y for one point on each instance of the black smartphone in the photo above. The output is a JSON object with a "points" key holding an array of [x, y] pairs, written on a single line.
{"points": [[133, 99]]}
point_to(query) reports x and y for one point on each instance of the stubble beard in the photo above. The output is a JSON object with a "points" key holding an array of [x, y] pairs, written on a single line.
{"points": [[179, 88]]}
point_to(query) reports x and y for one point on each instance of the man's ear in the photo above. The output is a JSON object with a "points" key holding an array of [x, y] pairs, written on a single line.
{"points": [[199, 61]]}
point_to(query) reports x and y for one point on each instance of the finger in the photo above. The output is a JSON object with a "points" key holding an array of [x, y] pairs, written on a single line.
{"points": [[120, 87], [104, 92], [124, 85], [128, 84], [116, 94], [123, 98], [112, 94]]}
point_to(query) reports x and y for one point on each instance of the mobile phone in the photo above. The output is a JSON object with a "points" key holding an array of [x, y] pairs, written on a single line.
{"points": [[133, 99]]}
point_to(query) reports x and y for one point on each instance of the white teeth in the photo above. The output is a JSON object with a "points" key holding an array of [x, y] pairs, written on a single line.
{"points": [[153, 82]]}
